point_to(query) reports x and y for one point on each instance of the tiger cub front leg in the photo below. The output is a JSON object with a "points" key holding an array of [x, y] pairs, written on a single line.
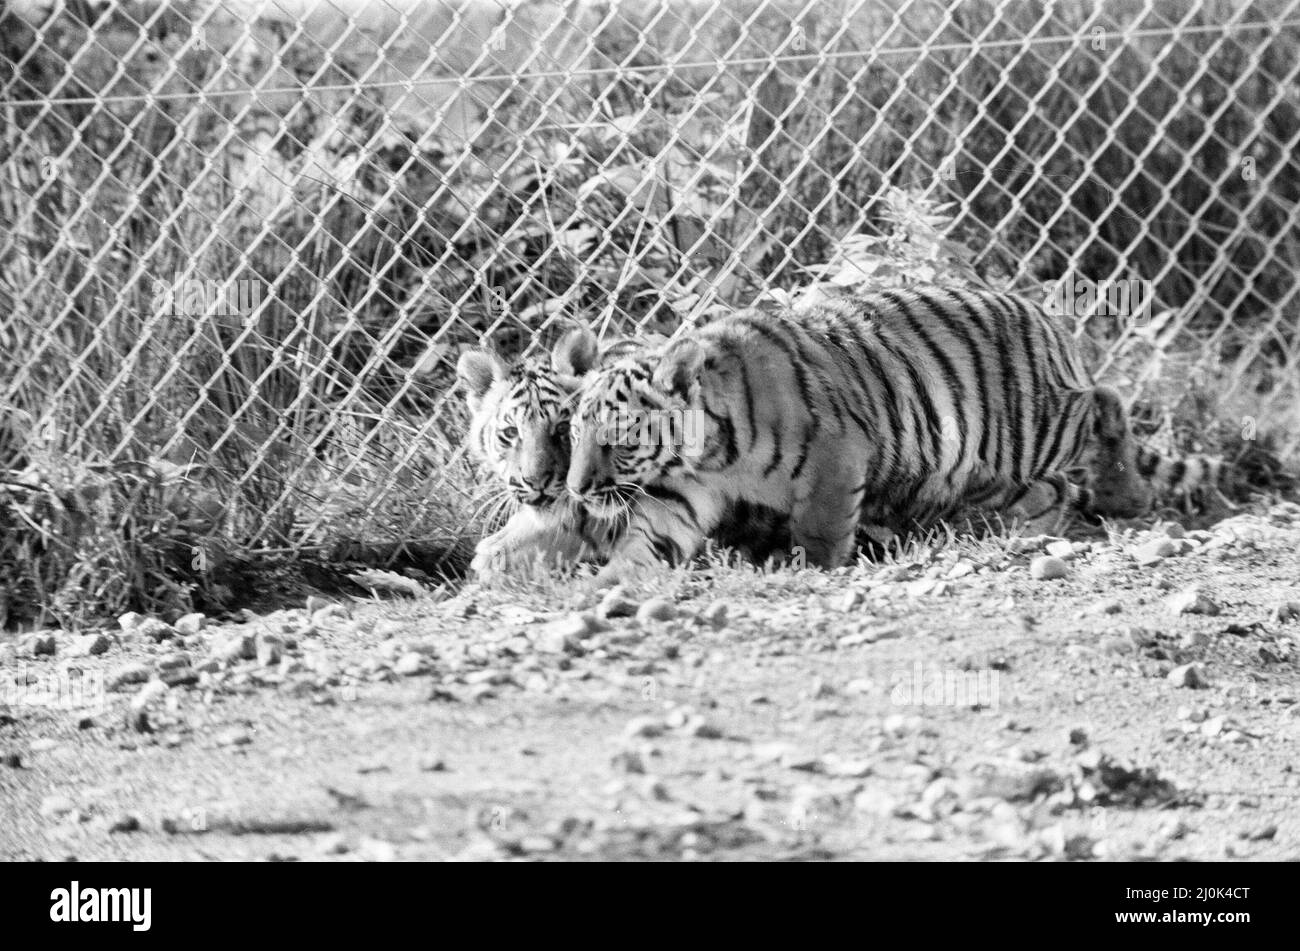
{"points": [[824, 520], [667, 530], [531, 538], [1043, 507]]}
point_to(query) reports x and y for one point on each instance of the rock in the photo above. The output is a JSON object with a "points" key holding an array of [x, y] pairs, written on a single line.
{"points": [[616, 603], [561, 636], [88, 645], [1060, 549], [656, 609], [233, 736], [821, 689], [154, 629], [1187, 675], [236, 647], [431, 763], [715, 614], [11, 760], [644, 727], [269, 650], [130, 620], [1193, 640], [409, 664], [628, 762], [127, 675], [41, 645], [1155, 551], [849, 600], [1048, 568], [1192, 601], [152, 691], [190, 624], [126, 823], [1174, 530], [55, 806], [1286, 611]]}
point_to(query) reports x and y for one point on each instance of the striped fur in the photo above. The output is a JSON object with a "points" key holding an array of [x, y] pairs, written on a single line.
{"points": [[894, 409]]}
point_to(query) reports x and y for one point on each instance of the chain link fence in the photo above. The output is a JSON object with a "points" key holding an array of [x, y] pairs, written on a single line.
{"points": [[245, 242]]}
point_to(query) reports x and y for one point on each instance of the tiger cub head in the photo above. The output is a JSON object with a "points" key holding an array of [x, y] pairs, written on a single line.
{"points": [[1112, 471], [637, 420], [519, 415]]}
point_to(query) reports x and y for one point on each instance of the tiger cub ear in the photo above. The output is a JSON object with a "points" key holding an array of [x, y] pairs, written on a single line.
{"points": [[1111, 428], [679, 368], [576, 353], [477, 370]]}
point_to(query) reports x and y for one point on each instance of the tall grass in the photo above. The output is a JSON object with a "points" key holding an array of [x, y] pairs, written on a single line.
{"points": [[381, 240]]}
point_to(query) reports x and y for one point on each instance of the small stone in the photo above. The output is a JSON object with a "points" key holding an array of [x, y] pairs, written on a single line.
{"points": [[431, 763], [130, 620], [628, 762], [88, 645], [1077, 737], [127, 823], [190, 624], [1286, 611], [1048, 568], [1174, 530], [11, 760], [821, 689], [155, 629], [42, 645], [152, 691], [127, 675], [644, 727], [849, 600], [1192, 601], [1193, 640], [233, 736], [137, 721], [409, 664], [656, 609], [1060, 549], [715, 614], [236, 647], [55, 806], [1154, 551], [1213, 726], [1187, 675], [616, 603], [561, 636], [269, 650]]}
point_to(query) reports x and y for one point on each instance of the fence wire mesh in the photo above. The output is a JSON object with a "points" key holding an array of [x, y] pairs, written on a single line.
{"points": [[244, 243]]}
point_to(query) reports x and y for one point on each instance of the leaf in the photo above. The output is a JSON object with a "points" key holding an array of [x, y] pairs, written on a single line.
{"points": [[377, 581]]}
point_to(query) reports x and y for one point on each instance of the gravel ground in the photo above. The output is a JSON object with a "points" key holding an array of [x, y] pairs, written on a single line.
{"points": [[1130, 697]]}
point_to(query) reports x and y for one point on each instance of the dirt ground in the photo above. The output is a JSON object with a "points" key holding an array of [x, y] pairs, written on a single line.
{"points": [[958, 703]]}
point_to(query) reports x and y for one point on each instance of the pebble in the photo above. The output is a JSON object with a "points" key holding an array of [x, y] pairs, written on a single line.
{"points": [[269, 650], [1060, 549], [431, 763], [656, 609], [616, 603], [715, 614], [561, 636], [190, 624], [647, 727], [236, 647], [1192, 600], [849, 600], [154, 629], [130, 620], [1286, 611], [1155, 551], [1187, 675], [150, 692], [1048, 568], [88, 645], [127, 675], [233, 736], [409, 664], [42, 645], [56, 807]]}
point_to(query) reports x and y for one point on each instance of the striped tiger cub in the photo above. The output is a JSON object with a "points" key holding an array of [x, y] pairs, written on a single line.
{"points": [[892, 409], [519, 421]]}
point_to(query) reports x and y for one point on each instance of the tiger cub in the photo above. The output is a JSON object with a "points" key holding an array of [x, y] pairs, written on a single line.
{"points": [[519, 419], [893, 409]]}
